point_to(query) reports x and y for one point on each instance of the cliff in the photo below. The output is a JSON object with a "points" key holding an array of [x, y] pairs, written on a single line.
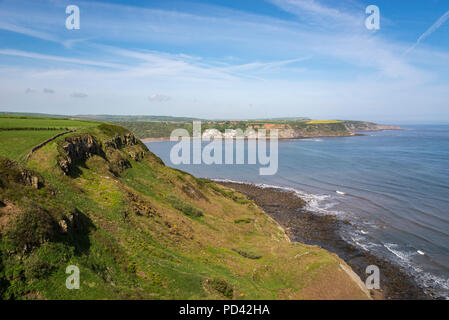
{"points": [[287, 129], [98, 199]]}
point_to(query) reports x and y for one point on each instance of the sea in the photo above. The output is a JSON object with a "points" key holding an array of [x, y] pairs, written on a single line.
{"points": [[392, 185]]}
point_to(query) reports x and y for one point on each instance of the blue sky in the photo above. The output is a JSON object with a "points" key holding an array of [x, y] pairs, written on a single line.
{"points": [[228, 59]]}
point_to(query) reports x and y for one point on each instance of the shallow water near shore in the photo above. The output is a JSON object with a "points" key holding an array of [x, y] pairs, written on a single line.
{"points": [[393, 186]]}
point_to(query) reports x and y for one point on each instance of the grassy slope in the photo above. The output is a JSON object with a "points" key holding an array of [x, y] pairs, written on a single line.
{"points": [[16, 144], [140, 239]]}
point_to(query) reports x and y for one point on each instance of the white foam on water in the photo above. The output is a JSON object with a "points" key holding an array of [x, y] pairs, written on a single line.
{"points": [[429, 281], [322, 203], [360, 244], [314, 202], [393, 248], [359, 240]]}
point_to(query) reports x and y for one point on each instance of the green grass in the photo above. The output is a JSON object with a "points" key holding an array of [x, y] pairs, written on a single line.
{"points": [[13, 122], [323, 121], [16, 144], [208, 243], [19, 134]]}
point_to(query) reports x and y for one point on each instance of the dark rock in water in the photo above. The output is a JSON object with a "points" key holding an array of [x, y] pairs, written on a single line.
{"points": [[307, 227]]}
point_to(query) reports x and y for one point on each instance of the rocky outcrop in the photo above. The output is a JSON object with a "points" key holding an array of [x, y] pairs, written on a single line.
{"points": [[120, 141], [14, 172], [75, 222], [361, 126], [78, 148], [30, 178], [284, 131]]}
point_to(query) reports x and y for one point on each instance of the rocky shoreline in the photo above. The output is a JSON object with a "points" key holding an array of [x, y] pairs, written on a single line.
{"points": [[307, 227]]}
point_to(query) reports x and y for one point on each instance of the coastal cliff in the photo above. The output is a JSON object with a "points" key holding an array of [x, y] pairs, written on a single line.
{"points": [[287, 129], [98, 199]]}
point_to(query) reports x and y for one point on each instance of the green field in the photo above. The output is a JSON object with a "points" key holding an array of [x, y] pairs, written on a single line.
{"points": [[13, 122], [323, 121], [18, 134], [15, 144]]}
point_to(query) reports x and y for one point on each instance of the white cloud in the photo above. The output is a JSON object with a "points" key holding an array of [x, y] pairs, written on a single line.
{"points": [[316, 12], [301, 66], [79, 95], [49, 91], [158, 98]]}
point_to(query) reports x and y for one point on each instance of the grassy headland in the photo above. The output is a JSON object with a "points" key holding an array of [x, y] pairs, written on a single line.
{"points": [[98, 199], [287, 129]]}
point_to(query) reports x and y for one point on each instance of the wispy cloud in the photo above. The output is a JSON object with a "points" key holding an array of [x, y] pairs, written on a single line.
{"points": [[319, 13], [48, 91], [27, 31], [32, 55], [319, 60], [429, 31]]}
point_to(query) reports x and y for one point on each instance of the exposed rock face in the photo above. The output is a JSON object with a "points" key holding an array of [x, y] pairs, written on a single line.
{"points": [[63, 225], [121, 141], [21, 175], [137, 155], [81, 147], [361, 126], [78, 148], [73, 223], [284, 131], [31, 179]]}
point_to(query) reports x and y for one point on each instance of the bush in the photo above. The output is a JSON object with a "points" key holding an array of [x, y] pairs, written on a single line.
{"points": [[236, 197], [36, 268], [132, 268], [29, 229], [185, 207], [247, 254], [112, 129], [222, 287], [243, 220]]}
